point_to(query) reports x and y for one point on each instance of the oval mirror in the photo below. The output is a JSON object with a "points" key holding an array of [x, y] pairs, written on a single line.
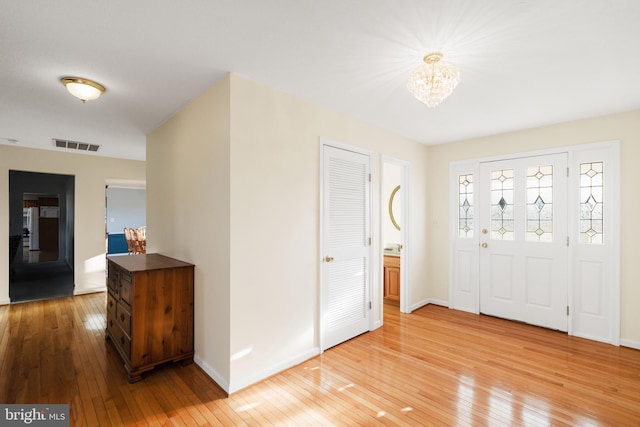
{"points": [[393, 202]]}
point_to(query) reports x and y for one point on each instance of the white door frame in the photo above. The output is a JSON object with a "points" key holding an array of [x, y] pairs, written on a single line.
{"points": [[471, 303], [405, 221], [372, 268]]}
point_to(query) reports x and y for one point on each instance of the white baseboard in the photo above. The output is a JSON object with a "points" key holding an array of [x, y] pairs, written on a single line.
{"points": [[434, 301], [419, 304], [75, 292], [427, 302], [266, 373], [224, 384], [246, 382], [89, 291], [630, 344]]}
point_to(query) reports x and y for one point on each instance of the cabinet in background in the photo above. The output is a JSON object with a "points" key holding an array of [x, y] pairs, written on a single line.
{"points": [[392, 277], [150, 311]]}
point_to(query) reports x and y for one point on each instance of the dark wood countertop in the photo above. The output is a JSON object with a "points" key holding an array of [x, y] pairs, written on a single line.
{"points": [[146, 262]]}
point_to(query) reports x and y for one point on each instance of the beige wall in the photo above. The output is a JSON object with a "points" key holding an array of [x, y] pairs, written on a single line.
{"points": [[91, 174], [275, 216], [252, 227], [624, 127], [188, 214]]}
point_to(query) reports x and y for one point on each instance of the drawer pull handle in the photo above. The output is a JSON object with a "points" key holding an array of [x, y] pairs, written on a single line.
{"points": [[111, 323], [110, 303], [122, 340], [122, 317]]}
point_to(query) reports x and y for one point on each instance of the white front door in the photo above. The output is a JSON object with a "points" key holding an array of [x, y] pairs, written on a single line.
{"points": [[346, 245], [523, 240]]}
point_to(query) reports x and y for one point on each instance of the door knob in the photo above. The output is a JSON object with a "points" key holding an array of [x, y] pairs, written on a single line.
{"points": [[328, 258], [484, 245]]}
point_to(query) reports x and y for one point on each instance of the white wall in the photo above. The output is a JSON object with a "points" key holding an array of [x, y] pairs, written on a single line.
{"points": [[624, 127], [91, 174]]}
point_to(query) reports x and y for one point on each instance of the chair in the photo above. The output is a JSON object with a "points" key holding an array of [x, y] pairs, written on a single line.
{"points": [[130, 240], [141, 238], [136, 240]]}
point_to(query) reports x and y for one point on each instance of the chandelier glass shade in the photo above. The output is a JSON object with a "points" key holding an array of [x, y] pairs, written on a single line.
{"points": [[434, 80], [83, 89]]}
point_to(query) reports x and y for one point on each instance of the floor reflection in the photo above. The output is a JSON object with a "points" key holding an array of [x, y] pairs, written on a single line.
{"points": [[29, 256]]}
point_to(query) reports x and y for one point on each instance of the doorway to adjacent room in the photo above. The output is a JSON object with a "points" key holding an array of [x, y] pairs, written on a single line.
{"points": [[41, 230], [394, 224]]}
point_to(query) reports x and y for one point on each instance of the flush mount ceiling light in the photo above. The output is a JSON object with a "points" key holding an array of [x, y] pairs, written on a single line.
{"points": [[83, 89], [434, 80]]}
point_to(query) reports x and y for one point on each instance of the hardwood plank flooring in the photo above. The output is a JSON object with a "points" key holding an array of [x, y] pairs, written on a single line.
{"points": [[435, 367]]}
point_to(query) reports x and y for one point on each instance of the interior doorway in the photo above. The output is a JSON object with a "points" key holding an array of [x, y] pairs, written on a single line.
{"points": [[41, 229], [125, 207], [394, 224]]}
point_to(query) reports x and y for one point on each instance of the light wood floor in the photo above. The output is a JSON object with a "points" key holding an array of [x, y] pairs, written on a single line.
{"points": [[433, 367]]}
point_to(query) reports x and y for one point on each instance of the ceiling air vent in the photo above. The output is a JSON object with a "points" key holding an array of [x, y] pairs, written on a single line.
{"points": [[74, 145]]}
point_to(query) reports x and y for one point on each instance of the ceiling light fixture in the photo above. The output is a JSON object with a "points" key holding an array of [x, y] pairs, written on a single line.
{"points": [[434, 80], [83, 89]]}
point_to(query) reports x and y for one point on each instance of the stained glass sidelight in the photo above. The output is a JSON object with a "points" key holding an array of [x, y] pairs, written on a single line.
{"points": [[465, 206], [540, 204], [591, 203], [502, 213]]}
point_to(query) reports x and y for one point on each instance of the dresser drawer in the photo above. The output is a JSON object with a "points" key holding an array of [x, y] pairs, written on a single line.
{"points": [[123, 317], [122, 340], [125, 287], [112, 280], [111, 305], [112, 324]]}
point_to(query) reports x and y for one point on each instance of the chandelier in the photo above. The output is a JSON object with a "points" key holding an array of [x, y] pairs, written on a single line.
{"points": [[434, 80]]}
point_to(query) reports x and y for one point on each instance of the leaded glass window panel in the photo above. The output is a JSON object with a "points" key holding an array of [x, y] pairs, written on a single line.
{"points": [[591, 203], [540, 204], [465, 206], [502, 212]]}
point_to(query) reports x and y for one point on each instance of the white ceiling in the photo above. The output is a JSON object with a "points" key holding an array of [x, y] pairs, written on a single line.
{"points": [[523, 63]]}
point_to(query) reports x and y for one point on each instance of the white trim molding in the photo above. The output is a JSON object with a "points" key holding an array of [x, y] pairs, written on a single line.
{"points": [[630, 344]]}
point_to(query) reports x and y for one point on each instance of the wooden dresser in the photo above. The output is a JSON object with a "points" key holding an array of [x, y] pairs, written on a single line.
{"points": [[150, 311]]}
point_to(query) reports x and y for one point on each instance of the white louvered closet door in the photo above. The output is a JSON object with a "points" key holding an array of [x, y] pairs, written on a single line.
{"points": [[346, 247]]}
